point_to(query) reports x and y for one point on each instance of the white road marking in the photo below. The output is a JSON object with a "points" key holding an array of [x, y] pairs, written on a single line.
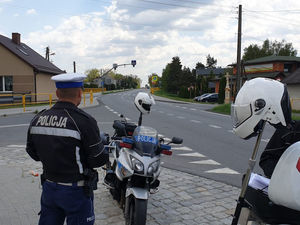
{"points": [[265, 140], [183, 148], [223, 170], [206, 162], [183, 107], [180, 117], [15, 125], [128, 118], [214, 126], [161, 111], [170, 114], [195, 121], [219, 114], [193, 109], [115, 112], [194, 154], [107, 107], [16, 146], [177, 106], [230, 131]]}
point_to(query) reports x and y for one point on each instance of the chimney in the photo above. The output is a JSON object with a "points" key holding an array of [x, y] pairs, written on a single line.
{"points": [[16, 38]]}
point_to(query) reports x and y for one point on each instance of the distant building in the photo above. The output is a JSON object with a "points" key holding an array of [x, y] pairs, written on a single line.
{"points": [[214, 83], [22, 70], [274, 67], [293, 86], [104, 81]]}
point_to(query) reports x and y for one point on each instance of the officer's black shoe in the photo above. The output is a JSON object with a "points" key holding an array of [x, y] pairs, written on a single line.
{"points": [[109, 179]]}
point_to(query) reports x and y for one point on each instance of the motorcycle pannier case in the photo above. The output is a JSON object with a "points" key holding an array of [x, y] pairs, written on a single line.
{"points": [[267, 211], [284, 188]]}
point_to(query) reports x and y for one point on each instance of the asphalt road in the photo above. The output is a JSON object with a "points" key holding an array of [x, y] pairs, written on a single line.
{"points": [[209, 149]]}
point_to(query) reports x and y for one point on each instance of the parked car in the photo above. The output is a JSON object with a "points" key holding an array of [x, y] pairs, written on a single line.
{"points": [[213, 97], [199, 98]]}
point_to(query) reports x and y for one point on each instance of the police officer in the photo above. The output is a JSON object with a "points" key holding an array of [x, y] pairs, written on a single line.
{"points": [[67, 142], [282, 138]]}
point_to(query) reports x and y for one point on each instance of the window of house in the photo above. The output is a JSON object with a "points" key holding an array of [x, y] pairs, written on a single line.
{"points": [[6, 83], [288, 68]]}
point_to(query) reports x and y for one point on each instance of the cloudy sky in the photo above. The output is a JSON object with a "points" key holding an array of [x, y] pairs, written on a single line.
{"points": [[98, 33]]}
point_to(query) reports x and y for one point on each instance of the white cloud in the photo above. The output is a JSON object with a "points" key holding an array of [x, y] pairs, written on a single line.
{"points": [[31, 12], [154, 34], [4, 1]]}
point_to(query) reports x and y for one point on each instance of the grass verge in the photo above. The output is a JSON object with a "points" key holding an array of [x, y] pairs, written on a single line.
{"points": [[172, 96]]}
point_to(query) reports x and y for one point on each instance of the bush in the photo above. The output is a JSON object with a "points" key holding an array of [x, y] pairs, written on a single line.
{"points": [[183, 92], [85, 85]]}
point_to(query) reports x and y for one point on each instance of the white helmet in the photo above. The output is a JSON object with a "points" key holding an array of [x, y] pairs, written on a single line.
{"points": [[143, 101], [260, 99]]}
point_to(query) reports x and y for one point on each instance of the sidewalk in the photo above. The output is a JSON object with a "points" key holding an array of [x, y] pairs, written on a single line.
{"points": [[182, 199], [33, 109]]}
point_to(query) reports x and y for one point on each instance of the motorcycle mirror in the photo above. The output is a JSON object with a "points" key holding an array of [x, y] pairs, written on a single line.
{"points": [[104, 138], [118, 125], [177, 140]]}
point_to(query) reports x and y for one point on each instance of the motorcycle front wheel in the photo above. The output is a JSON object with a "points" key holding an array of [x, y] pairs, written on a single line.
{"points": [[137, 211]]}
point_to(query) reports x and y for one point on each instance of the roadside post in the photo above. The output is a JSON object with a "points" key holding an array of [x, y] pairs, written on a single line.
{"points": [[227, 89], [50, 100], [23, 102], [91, 97]]}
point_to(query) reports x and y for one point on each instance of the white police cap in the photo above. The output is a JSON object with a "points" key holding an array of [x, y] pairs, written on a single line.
{"points": [[68, 80]]}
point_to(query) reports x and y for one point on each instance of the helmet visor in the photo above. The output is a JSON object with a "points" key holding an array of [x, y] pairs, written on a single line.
{"points": [[240, 113]]}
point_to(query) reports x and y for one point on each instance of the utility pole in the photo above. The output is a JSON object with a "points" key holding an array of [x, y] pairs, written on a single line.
{"points": [[74, 66], [238, 64]]}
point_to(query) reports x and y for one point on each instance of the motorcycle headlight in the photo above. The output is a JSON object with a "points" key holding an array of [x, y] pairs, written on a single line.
{"points": [[153, 167], [137, 165]]}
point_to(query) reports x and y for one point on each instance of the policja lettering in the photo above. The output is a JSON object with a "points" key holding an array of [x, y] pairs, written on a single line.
{"points": [[52, 121]]}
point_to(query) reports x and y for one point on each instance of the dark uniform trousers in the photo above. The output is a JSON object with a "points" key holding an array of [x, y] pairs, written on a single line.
{"points": [[60, 201], [67, 142]]}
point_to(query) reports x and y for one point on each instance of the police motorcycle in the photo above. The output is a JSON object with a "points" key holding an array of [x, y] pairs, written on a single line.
{"points": [[135, 163], [277, 201]]}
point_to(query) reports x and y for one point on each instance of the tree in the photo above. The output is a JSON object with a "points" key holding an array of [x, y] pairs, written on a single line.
{"points": [[92, 74], [171, 76], [268, 48], [200, 65], [210, 62], [222, 87]]}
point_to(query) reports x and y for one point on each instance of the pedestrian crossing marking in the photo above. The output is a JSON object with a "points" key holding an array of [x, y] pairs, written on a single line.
{"points": [[223, 170], [194, 154], [206, 162], [183, 148]]}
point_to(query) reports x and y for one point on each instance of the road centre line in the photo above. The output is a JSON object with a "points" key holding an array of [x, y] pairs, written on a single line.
{"points": [[15, 125], [180, 117], [195, 121]]}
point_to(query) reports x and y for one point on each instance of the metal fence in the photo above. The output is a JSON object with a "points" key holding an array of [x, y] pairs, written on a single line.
{"points": [[11, 100]]}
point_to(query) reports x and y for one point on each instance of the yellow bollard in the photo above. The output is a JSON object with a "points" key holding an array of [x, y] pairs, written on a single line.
{"points": [[292, 101], [83, 98], [23, 102], [50, 100], [91, 97]]}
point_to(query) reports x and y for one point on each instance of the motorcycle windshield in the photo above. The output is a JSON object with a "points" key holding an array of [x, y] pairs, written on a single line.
{"points": [[145, 140]]}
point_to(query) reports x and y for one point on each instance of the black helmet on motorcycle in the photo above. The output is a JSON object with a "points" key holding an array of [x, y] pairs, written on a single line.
{"points": [[143, 101]]}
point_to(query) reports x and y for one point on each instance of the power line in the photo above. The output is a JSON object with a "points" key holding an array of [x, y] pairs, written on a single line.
{"points": [[275, 19], [276, 11]]}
